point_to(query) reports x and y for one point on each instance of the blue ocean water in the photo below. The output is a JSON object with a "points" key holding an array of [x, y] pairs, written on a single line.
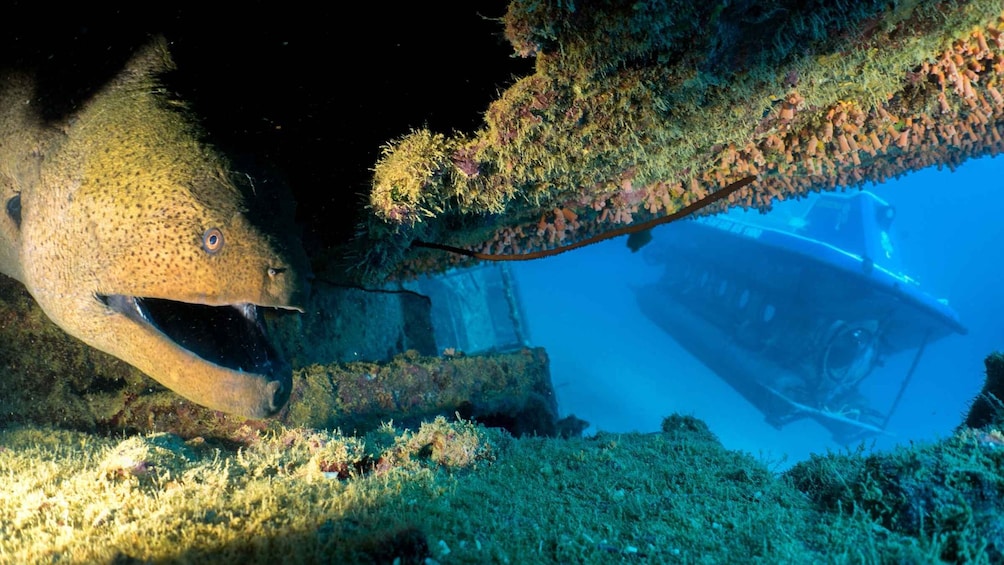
{"points": [[612, 366]]}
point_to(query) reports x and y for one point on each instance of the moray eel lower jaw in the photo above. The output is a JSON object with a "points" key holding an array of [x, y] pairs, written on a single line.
{"points": [[239, 372]]}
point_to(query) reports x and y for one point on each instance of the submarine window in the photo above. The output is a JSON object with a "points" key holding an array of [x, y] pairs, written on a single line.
{"points": [[849, 356], [768, 312], [744, 298]]}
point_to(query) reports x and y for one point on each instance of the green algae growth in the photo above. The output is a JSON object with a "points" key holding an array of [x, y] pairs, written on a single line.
{"points": [[455, 492]]}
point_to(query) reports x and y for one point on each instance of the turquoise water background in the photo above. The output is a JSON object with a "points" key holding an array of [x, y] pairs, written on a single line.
{"points": [[613, 367]]}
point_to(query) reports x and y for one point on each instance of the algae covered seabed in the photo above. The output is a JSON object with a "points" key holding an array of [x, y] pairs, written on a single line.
{"points": [[456, 492]]}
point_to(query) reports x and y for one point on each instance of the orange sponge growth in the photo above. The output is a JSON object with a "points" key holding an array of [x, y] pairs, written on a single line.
{"points": [[633, 115]]}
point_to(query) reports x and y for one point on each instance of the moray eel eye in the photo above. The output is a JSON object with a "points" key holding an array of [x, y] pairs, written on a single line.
{"points": [[212, 241]]}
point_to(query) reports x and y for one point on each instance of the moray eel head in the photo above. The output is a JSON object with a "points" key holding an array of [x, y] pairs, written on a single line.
{"points": [[140, 239]]}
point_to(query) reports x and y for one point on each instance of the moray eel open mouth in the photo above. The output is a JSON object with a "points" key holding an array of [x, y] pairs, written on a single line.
{"points": [[232, 336]]}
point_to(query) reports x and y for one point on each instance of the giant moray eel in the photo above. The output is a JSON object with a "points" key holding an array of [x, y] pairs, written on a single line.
{"points": [[134, 236]]}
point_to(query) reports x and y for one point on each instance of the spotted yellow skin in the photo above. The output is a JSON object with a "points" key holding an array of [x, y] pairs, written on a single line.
{"points": [[116, 201]]}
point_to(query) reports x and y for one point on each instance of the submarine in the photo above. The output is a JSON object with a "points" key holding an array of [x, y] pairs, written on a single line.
{"points": [[795, 310]]}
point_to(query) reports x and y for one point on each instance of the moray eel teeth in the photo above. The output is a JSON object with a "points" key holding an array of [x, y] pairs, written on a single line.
{"points": [[232, 336]]}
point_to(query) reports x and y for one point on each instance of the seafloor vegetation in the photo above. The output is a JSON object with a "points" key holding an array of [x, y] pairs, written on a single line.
{"points": [[456, 492]]}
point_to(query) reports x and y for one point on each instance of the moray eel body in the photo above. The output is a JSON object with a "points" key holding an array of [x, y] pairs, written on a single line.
{"points": [[134, 236]]}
